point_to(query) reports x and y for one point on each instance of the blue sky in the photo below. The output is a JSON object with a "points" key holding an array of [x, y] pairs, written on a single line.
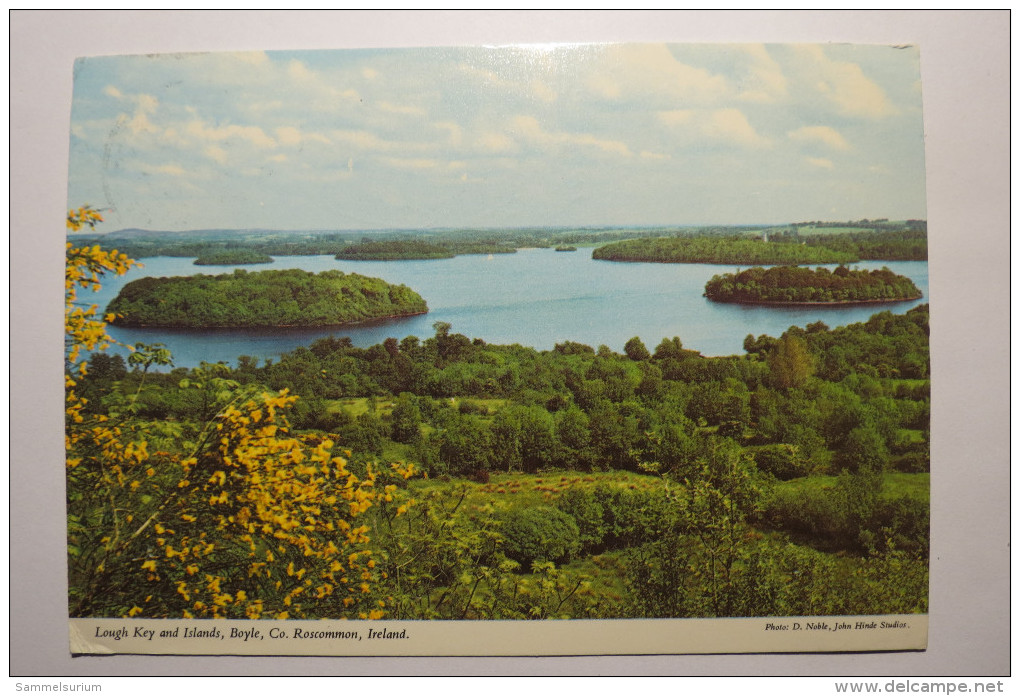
{"points": [[586, 135]]}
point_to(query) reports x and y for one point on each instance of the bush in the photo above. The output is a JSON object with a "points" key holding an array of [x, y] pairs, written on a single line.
{"points": [[905, 522], [539, 534], [614, 518], [782, 461], [912, 463], [585, 506], [811, 513]]}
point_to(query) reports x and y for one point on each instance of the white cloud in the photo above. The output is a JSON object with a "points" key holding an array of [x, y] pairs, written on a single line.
{"points": [[217, 153], [819, 162], [530, 129], [147, 103], [732, 126], [765, 82], [493, 142], [645, 154], [845, 85], [640, 71], [370, 142], [729, 126], [296, 70], [145, 106], [293, 137], [251, 134], [419, 163], [171, 169], [411, 163], [288, 135], [676, 117], [822, 135], [455, 134]]}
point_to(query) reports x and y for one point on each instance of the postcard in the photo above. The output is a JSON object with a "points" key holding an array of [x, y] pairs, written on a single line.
{"points": [[574, 349]]}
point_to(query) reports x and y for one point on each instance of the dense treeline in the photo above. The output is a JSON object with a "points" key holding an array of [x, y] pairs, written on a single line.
{"points": [[783, 481], [411, 249], [235, 257], [590, 409], [731, 250], [184, 245], [876, 224], [265, 298], [788, 245], [796, 285], [909, 244], [849, 241], [386, 251]]}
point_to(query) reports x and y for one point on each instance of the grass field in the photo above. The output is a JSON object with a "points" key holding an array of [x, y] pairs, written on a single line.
{"points": [[506, 489], [895, 485]]}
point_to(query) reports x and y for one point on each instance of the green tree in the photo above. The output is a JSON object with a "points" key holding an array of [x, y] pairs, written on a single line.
{"points": [[790, 362], [406, 419], [636, 350]]}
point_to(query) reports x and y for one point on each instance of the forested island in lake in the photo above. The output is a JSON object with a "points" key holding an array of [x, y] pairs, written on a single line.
{"points": [[718, 250], [802, 243], [233, 257], [390, 251], [795, 285], [262, 299]]}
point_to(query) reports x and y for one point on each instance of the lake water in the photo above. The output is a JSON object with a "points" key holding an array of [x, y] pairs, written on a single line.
{"points": [[536, 297]]}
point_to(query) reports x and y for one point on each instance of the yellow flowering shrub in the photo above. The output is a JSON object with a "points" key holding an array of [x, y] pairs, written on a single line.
{"points": [[248, 521]]}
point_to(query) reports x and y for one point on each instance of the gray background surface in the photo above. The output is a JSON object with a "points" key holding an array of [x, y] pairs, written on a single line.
{"points": [[965, 72]]}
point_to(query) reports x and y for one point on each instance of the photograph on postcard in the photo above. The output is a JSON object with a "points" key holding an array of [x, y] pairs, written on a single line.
{"points": [[539, 349]]}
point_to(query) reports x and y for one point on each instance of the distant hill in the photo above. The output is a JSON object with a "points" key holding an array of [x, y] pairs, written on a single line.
{"points": [[213, 233]]}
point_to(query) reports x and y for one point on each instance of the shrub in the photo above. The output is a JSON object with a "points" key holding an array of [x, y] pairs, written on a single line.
{"points": [[540, 533], [585, 506], [782, 461], [613, 518], [912, 463]]}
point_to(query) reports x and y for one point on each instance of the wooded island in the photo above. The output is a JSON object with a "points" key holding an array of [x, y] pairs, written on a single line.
{"points": [[728, 250], [262, 299], [233, 257], [794, 285], [404, 250]]}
